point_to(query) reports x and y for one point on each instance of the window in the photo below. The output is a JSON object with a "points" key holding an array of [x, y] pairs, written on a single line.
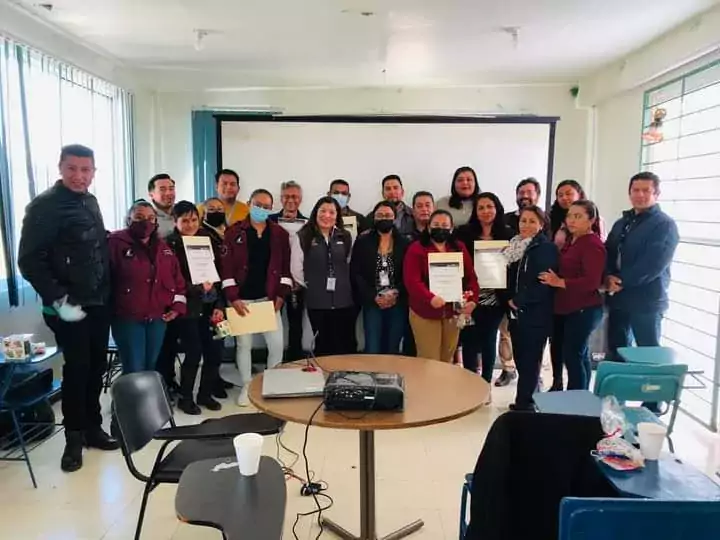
{"points": [[45, 104], [688, 162]]}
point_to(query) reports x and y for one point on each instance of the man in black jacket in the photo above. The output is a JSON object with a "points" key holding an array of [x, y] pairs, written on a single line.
{"points": [[64, 255]]}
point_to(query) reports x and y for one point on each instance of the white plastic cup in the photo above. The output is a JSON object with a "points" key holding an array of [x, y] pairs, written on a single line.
{"points": [[248, 448], [651, 437]]}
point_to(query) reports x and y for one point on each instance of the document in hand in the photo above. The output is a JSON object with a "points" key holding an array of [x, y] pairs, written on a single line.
{"points": [[491, 264], [201, 259], [445, 273], [261, 318]]}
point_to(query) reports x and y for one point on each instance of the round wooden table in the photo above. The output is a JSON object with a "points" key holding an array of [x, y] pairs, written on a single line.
{"points": [[435, 392]]}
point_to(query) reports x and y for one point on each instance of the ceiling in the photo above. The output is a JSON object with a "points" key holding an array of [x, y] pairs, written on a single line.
{"points": [[282, 43]]}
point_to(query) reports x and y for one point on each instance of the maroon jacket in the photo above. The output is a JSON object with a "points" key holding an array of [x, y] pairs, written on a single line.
{"points": [[234, 261], [146, 279], [416, 277], [582, 264]]}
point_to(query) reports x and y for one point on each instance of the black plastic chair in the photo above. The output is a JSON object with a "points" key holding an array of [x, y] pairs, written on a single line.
{"points": [[142, 410]]}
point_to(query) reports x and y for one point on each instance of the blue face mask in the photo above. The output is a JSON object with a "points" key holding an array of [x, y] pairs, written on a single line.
{"points": [[258, 214], [341, 199]]}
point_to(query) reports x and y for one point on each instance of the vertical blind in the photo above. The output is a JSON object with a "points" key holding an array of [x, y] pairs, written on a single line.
{"points": [[45, 104], [688, 163]]}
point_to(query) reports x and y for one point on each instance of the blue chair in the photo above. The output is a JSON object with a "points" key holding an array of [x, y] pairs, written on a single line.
{"points": [[464, 499], [634, 519], [648, 383]]}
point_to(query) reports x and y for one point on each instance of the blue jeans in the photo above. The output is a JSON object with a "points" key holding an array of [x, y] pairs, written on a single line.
{"points": [[575, 355], [481, 338], [384, 328], [623, 326], [138, 343]]}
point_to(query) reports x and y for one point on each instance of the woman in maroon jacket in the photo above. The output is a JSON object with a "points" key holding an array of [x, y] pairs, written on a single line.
{"points": [[148, 289], [433, 320], [578, 304]]}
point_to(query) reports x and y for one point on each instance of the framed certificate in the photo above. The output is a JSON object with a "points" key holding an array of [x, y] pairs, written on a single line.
{"points": [[490, 264], [445, 272]]}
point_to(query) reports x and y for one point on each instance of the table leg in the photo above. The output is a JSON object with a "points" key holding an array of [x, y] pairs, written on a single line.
{"points": [[368, 529]]}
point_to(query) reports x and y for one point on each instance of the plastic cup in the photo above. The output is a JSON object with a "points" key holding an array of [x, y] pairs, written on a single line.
{"points": [[248, 448], [651, 437]]}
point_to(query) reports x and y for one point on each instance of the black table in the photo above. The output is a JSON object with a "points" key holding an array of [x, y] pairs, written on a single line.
{"points": [[242, 507]]}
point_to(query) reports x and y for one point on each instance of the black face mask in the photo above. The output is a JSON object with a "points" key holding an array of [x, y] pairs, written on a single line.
{"points": [[215, 219], [439, 235], [384, 225]]}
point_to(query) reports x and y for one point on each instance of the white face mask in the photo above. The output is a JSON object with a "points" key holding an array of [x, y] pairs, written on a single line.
{"points": [[341, 199]]}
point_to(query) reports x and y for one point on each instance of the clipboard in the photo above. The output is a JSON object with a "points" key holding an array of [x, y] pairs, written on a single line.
{"points": [[261, 318]]}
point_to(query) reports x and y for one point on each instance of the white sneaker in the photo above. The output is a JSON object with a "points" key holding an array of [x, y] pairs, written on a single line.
{"points": [[242, 399]]}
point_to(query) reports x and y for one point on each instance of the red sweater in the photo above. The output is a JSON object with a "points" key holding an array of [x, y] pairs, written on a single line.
{"points": [[582, 264], [415, 276]]}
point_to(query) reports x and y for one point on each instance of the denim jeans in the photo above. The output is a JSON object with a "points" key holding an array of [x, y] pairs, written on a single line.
{"points": [[575, 354], [624, 327], [384, 328], [138, 343], [273, 340], [528, 345], [481, 338]]}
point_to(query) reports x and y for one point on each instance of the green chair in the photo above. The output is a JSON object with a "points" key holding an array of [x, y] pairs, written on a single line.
{"points": [[646, 383]]}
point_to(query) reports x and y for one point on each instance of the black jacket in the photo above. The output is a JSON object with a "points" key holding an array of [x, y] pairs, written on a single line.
{"points": [[363, 263], [278, 215], [63, 247]]}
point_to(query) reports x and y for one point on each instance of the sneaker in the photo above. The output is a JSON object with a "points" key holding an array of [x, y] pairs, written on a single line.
{"points": [[188, 406], [97, 438], [209, 403], [219, 392], [242, 399], [72, 455], [505, 378]]}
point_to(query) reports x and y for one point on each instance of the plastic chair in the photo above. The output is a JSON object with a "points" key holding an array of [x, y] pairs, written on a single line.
{"points": [[634, 519], [114, 367], [646, 383], [142, 410]]}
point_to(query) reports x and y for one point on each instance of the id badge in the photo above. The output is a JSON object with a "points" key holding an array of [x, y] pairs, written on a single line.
{"points": [[331, 284], [384, 279]]}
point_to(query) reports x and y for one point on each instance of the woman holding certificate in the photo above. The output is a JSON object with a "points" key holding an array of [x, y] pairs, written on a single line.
{"points": [[485, 235], [530, 300], [441, 285]]}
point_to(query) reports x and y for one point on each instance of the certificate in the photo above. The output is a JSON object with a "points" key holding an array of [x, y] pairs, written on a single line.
{"points": [[292, 226], [201, 259], [350, 223], [445, 275], [260, 318], [491, 264]]}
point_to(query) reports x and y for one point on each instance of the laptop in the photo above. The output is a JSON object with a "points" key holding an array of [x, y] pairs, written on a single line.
{"points": [[284, 383]]}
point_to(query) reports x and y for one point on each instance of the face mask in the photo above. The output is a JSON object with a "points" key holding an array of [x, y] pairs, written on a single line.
{"points": [[215, 219], [341, 199], [142, 229], [259, 215], [439, 235], [384, 225]]}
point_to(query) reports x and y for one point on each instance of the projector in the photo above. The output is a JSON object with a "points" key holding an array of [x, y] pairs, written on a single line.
{"points": [[364, 391]]}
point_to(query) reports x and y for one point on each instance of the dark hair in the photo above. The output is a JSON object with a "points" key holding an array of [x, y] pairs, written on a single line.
{"points": [[230, 172], [425, 235], [341, 182], [542, 217], [455, 199], [139, 203], [262, 191], [76, 150], [391, 177], [646, 175], [592, 212], [218, 199], [310, 229], [557, 212], [499, 228], [182, 208], [526, 181], [422, 194], [161, 176], [386, 204]]}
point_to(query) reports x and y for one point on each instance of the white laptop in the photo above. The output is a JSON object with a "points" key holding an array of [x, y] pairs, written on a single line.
{"points": [[284, 383]]}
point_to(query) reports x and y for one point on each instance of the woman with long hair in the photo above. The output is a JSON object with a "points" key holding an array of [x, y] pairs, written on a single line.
{"points": [[487, 223], [463, 190], [320, 254]]}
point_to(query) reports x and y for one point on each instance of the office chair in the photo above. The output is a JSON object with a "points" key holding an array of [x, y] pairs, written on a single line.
{"points": [[142, 410]]}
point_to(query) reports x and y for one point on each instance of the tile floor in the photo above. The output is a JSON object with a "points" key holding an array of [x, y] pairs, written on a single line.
{"points": [[419, 475]]}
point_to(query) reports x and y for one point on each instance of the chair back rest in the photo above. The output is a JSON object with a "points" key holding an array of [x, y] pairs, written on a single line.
{"points": [[634, 519], [141, 408], [640, 382]]}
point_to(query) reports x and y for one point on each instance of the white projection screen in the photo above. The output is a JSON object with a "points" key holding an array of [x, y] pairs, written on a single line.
{"points": [[425, 155]]}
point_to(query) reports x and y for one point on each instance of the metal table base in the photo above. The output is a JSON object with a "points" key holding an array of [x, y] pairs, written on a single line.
{"points": [[368, 530]]}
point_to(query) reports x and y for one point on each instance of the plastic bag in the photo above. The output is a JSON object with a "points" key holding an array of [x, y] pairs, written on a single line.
{"points": [[613, 450], [612, 418]]}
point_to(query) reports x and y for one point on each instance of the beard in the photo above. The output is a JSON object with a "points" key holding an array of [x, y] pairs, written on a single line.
{"points": [[524, 202]]}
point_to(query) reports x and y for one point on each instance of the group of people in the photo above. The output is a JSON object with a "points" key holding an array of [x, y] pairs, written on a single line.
{"points": [[137, 281]]}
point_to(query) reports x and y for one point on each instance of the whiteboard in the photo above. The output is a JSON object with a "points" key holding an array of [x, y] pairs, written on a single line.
{"points": [[424, 155]]}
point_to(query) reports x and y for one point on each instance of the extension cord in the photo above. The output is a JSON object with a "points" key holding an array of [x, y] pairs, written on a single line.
{"points": [[311, 488]]}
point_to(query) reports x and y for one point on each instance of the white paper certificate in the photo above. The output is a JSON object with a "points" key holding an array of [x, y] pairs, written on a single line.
{"points": [[445, 275], [490, 264], [292, 226], [350, 223], [201, 260]]}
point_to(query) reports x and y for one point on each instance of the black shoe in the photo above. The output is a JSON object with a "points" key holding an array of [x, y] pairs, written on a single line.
{"points": [[526, 407], [209, 403], [227, 385], [72, 456], [505, 378], [219, 392], [188, 406], [97, 438], [556, 387]]}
